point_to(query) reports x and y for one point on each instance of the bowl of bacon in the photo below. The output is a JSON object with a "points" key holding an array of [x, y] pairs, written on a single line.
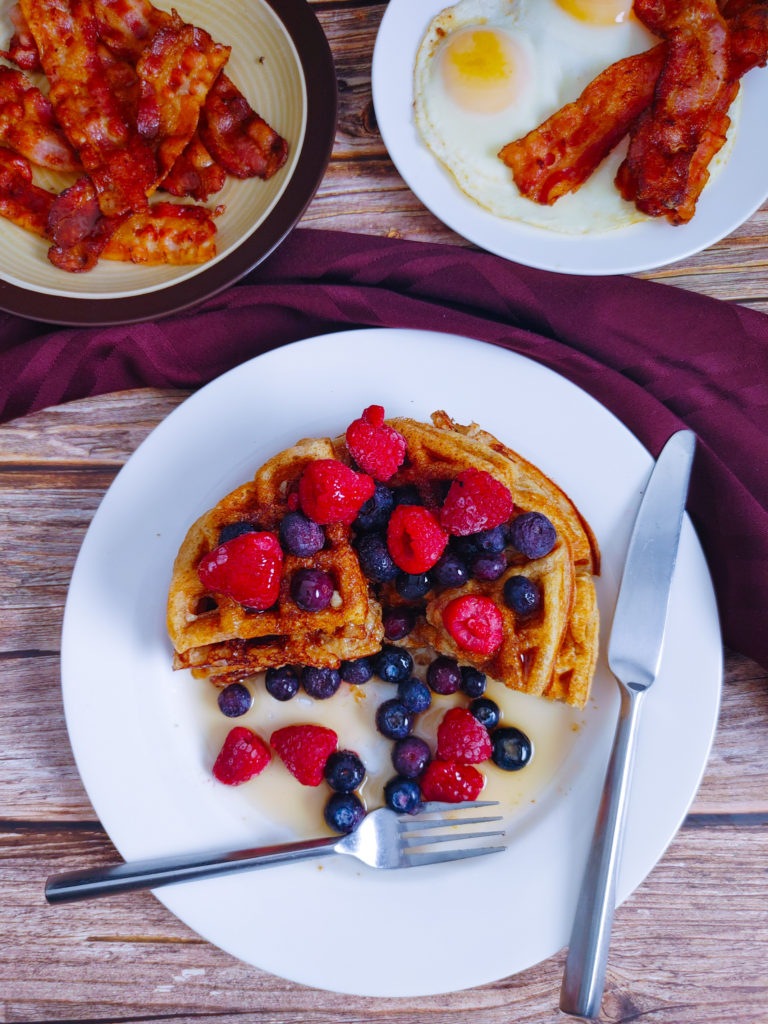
{"points": [[150, 157]]}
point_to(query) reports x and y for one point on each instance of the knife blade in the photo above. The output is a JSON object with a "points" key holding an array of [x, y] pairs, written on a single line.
{"points": [[634, 656], [637, 635]]}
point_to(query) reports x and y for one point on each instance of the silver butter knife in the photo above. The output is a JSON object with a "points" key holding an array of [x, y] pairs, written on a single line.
{"points": [[634, 655]]}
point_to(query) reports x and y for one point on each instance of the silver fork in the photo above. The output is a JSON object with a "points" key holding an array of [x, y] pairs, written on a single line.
{"points": [[383, 839]]}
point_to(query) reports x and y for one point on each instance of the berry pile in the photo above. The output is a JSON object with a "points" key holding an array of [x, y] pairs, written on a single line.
{"points": [[411, 542], [466, 736]]}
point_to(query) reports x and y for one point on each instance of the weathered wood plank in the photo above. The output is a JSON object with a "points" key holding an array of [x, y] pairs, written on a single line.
{"points": [[123, 957], [102, 431]]}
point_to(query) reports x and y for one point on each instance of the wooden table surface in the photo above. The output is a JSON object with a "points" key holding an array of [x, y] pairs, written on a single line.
{"points": [[690, 946]]}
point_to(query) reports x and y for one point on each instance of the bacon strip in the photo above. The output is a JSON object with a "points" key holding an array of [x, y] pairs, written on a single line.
{"points": [[195, 173], [166, 233], [22, 49], [120, 163], [562, 153], [237, 137], [665, 140], [20, 201], [27, 124], [176, 72], [234, 134]]}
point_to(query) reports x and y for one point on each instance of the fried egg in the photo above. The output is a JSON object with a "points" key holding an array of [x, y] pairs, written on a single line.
{"points": [[489, 71]]}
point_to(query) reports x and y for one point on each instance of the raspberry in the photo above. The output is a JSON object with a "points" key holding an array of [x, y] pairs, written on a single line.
{"points": [[330, 492], [475, 623], [377, 448], [304, 749], [243, 755], [247, 568], [451, 782], [460, 737], [475, 502], [415, 538]]}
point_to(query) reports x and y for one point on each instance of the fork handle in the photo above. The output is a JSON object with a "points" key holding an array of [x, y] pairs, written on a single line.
{"points": [[150, 874], [584, 978]]}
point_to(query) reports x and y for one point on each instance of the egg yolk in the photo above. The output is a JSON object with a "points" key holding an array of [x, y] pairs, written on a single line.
{"points": [[598, 12], [483, 69]]}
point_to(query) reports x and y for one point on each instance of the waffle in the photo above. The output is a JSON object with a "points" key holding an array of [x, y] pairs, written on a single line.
{"points": [[214, 635], [553, 653]]}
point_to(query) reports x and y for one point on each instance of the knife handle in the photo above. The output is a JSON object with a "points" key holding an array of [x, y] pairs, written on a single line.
{"points": [[584, 977]]}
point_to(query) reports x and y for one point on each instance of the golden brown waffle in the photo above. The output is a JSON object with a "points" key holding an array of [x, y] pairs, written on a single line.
{"points": [[199, 621], [553, 653], [550, 654]]}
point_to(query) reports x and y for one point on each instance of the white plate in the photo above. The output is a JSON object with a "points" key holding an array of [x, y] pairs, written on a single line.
{"points": [[146, 765], [730, 198]]}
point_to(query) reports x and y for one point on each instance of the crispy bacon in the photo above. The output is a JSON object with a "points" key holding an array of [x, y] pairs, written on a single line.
{"points": [[195, 173], [237, 137], [20, 201], [166, 233], [120, 163], [666, 138], [27, 124], [559, 155], [22, 49], [176, 72], [748, 35], [127, 26]]}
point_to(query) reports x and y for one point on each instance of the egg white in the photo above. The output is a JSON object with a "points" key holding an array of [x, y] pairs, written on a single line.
{"points": [[562, 55]]}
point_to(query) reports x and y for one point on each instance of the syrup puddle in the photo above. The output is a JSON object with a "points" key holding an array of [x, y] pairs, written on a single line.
{"points": [[553, 729]]}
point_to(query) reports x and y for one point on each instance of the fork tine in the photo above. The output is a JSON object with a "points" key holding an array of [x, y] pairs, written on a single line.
{"points": [[414, 860], [438, 805], [414, 842], [414, 825]]}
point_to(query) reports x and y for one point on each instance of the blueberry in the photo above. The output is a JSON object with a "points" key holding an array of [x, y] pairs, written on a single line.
{"points": [[300, 536], [512, 749], [412, 587], [234, 700], [408, 494], [444, 675], [343, 812], [410, 756], [282, 683], [415, 695], [472, 681], [397, 622], [402, 795], [394, 720], [374, 514], [375, 559], [450, 570], [489, 567], [320, 683], [522, 595], [358, 671], [532, 534], [486, 711], [312, 589], [344, 771], [392, 664], [232, 530], [490, 542], [465, 547]]}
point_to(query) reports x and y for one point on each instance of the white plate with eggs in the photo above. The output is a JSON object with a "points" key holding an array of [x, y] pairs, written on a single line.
{"points": [[444, 112]]}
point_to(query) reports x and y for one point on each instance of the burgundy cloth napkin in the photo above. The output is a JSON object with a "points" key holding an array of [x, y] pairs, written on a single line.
{"points": [[660, 358]]}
